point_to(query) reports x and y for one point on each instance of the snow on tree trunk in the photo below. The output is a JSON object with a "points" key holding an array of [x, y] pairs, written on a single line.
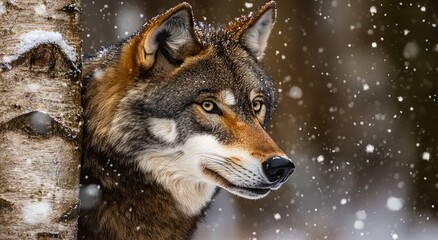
{"points": [[40, 122]]}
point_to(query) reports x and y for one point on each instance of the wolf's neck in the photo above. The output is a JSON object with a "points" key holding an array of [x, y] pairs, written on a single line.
{"points": [[191, 197], [135, 204], [189, 192]]}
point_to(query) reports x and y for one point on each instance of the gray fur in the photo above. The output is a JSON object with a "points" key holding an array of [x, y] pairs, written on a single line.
{"points": [[148, 181]]}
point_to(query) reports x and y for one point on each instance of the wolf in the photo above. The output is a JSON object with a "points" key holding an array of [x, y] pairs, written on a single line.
{"points": [[174, 113]]}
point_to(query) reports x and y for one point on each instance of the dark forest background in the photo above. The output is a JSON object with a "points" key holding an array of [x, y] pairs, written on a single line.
{"points": [[358, 114]]}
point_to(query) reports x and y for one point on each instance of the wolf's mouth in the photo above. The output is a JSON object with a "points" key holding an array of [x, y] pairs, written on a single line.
{"points": [[252, 193]]}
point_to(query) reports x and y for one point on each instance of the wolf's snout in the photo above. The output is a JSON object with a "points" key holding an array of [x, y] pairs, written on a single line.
{"points": [[278, 169]]}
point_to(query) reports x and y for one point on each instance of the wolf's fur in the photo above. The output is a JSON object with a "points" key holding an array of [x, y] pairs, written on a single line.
{"points": [[174, 112]]}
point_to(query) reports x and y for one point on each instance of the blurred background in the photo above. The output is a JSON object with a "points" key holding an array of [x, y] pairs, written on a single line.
{"points": [[358, 114]]}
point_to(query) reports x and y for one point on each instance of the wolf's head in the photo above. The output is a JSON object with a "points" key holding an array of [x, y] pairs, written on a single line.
{"points": [[189, 102]]}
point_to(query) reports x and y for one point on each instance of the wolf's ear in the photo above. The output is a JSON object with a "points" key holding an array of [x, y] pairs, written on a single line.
{"points": [[253, 30], [167, 39]]}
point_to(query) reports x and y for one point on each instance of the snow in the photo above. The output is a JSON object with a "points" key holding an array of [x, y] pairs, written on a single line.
{"points": [[394, 203], [361, 215], [411, 50], [2, 8], [277, 216], [89, 195], [33, 87], [295, 92], [40, 121], [373, 10], [343, 201], [320, 158], [334, 3], [359, 224], [248, 5], [35, 38], [37, 212], [98, 73], [40, 9], [365, 87], [92, 190], [425, 156], [380, 116], [127, 20], [369, 148], [373, 44]]}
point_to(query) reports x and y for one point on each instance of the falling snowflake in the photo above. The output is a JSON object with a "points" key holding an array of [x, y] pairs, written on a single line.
{"points": [[343, 201], [320, 158], [248, 5], [369, 148], [295, 92], [365, 87], [373, 10], [425, 156], [394, 203]]}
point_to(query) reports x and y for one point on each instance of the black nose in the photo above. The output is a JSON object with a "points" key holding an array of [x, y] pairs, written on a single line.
{"points": [[278, 169]]}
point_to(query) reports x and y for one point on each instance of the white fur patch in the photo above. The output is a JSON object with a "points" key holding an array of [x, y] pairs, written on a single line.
{"points": [[228, 97], [180, 170], [163, 128]]}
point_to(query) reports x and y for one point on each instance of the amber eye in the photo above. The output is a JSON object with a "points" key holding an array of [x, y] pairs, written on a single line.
{"points": [[257, 105], [211, 107], [208, 106]]}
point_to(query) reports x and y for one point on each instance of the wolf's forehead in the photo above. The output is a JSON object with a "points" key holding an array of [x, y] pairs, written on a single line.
{"points": [[233, 75], [231, 78], [242, 73]]}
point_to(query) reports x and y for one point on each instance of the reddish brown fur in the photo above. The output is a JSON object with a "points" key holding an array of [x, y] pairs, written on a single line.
{"points": [[250, 137]]}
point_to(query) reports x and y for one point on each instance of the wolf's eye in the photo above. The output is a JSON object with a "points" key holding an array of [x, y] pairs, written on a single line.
{"points": [[257, 105], [210, 107], [259, 109]]}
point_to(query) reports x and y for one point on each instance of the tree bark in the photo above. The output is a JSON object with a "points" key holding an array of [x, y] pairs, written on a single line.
{"points": [[40, 118]]}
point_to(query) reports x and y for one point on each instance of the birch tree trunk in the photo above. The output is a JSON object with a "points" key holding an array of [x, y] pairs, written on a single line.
{"points": [[40, 122]]}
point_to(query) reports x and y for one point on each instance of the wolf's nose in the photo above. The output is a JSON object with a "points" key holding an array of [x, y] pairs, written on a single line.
{"points": [[278, 169]]}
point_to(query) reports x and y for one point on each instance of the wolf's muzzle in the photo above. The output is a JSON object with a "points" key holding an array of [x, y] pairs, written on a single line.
{"points": [[277, 170]]}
